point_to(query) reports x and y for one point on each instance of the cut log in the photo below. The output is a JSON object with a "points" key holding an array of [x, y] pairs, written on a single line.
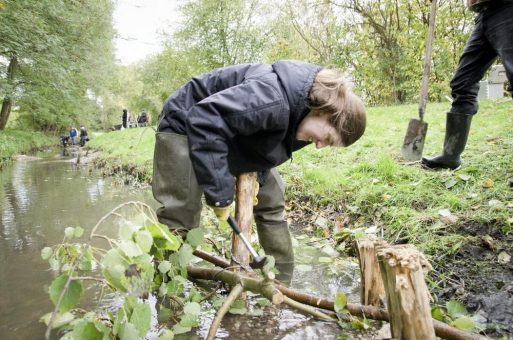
{"points": [[402, 269], [372, 291]]}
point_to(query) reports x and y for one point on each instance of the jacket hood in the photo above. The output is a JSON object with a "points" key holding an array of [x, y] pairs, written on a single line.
{"points": [[296, 79]]}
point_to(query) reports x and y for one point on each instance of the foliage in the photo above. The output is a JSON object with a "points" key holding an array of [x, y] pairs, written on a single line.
{"points": [[62, 54], [16, 141], [141, 259]]}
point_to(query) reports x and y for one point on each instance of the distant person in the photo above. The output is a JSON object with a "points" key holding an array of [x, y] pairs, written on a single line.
{"points": [[83, 136], [143, 118], [124, 119], [492, 37], [64, 140], [73, 135]]}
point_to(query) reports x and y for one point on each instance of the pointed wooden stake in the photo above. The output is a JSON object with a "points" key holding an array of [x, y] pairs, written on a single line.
{"points": [[372, 291]]}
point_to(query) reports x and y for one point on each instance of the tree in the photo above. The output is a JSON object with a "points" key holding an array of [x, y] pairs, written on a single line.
{"points": [[55, 58]]}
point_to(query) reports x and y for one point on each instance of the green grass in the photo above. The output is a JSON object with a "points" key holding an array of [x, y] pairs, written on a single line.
{"points": [[128, 148], [14, 142], [372, 185]]}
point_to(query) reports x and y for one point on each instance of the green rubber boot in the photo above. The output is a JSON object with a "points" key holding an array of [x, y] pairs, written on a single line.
{"points": [[276, 241]]}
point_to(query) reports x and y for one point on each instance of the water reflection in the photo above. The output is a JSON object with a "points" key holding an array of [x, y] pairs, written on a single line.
{"points": [[38, 200]]}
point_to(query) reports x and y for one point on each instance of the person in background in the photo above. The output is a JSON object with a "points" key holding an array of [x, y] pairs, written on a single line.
{"points": [[73, 135], [143, 118], [247, 118], [83, 136], [491, 38], [124, 119]]}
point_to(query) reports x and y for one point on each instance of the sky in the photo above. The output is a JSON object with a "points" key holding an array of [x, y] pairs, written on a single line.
{"points": [[139, 24]]}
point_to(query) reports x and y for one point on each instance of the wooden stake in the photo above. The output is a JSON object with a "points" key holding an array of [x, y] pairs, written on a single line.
{"points": [[244, 215], [407, 294], [372, 291]]}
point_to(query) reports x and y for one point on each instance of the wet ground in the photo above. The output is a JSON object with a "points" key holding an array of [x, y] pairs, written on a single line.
{"points": [[483, 276]]}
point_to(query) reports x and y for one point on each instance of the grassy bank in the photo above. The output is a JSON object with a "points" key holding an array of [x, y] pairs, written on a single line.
{"points": [[13, 142], [368, 184]]}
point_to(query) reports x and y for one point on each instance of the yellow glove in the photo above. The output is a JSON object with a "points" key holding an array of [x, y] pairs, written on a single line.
{"points": [[222, 213], [256, 188]]}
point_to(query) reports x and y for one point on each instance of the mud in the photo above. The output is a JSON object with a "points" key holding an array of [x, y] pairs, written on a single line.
{"points": [[482, 281]]}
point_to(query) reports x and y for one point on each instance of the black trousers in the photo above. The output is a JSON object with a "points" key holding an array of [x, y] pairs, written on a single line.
{"points": [[492, 37]]}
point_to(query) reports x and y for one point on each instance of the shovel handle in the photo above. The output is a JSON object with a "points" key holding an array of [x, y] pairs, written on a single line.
{"points": [[427, 61]]}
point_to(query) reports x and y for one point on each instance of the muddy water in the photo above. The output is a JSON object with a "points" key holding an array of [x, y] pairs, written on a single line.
{"points": [[40, 197]]}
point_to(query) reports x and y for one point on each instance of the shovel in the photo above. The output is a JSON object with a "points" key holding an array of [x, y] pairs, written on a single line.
{"points": [[417, 128]]}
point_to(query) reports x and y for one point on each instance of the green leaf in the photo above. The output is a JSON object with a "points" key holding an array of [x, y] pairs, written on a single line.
{"points": [[179, 329], [126, 231], [120, 319], [437, 313], [46, 253], [72, 295], [164, 314], [189, 320], [195, 237], [60, 319], [238, 307], [114, 265], [455, 309], [340, 302], [166, 334], [164, 266], [78, 232], [86, 330], [464, 323], [128, 331], [359, 324], [193, 308], [141, 318], [184, 255], [194, 295], [69, 232], [263, 302], [130, 248], [161, 232], [144, 240]]}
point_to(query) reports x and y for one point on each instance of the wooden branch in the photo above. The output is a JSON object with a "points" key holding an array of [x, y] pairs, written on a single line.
{"points": [[442, 329], [306, 309], [234, 294]]}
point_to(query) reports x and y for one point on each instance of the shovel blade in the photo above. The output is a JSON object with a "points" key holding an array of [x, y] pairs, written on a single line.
{"points": [[414, 140]]}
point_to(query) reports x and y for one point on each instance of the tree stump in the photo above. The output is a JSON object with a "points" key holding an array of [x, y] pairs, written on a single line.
{"points": [[372, 291], [402, 268]]}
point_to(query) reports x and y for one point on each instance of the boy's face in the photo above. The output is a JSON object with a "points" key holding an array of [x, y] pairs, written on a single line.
{"points": [[318, 130]]}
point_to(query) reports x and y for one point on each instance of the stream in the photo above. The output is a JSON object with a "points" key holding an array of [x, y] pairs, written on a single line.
{"points": [[42, 195]]}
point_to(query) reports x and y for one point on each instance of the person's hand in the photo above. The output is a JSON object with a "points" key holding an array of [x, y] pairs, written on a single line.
{"points": [[256, 188], [222, 213]]}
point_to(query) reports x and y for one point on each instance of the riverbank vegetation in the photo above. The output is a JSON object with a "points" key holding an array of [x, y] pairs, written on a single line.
{"points": [[15, 142]]}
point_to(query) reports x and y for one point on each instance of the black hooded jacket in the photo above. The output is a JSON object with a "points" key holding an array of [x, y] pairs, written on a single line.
{"points": [[238, 119]]}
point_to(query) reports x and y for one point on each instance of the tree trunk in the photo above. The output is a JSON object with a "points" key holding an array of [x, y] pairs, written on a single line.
{"points": [[7, 102]]}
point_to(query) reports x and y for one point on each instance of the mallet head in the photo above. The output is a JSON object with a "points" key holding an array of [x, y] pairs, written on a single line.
{"points": [[258, 262]]}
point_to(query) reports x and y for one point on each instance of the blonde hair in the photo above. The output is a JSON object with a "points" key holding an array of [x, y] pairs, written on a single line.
{"points": [[330, 94]]}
